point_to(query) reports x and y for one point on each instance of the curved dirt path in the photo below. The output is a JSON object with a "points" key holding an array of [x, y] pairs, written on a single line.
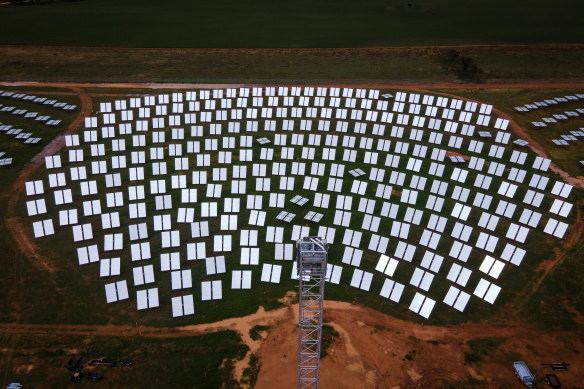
{"points": [[240, 324], [16, 225]]}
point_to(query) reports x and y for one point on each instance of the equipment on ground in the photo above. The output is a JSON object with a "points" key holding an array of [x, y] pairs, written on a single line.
{"points": [[522, 372], [78, 364], [76, 376], [558, 366], [95, 377], [553, 380], [102, 361]]}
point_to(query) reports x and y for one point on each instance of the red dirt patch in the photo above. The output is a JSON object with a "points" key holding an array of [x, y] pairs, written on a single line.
{"points": [[454, 154], [373, 347]]}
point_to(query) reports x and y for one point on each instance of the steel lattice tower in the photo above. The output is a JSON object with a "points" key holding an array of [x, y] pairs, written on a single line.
{"points": [[311, 265]]}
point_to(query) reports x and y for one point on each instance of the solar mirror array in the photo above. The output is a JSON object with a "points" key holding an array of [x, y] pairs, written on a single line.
{"points": [[558, 117], [27, 136], [209, 190]]}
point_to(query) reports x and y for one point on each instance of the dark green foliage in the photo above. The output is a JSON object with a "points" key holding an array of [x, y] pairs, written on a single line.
{"points": [[250, 374], [329, 335], [255, 331], [480, 347], [472, 358], [465, 66]]}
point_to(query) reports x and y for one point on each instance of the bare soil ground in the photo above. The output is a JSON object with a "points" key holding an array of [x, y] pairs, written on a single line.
{"points": [[372, 348], [454, 154]]}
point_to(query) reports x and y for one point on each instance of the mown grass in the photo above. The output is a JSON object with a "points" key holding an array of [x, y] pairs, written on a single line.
{"points": [[198, 361], [274, 66], [559, 302]]}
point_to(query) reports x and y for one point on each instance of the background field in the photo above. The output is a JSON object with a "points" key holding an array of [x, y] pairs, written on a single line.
{"points": [[317, 66], [304, 23], [265, 41]]}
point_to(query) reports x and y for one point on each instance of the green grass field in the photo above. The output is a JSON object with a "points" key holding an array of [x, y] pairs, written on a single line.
{"points": [[179, 362], [277, 66], [268, 23]]}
